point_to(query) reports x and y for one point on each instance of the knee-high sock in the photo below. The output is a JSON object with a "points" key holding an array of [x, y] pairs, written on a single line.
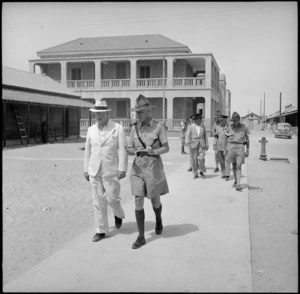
{"points": [[140, 220], [238, 176], [158, 214]]}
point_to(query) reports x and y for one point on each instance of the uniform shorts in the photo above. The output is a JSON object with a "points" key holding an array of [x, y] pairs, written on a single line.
{"points": [[147, 177], [236, 153]]}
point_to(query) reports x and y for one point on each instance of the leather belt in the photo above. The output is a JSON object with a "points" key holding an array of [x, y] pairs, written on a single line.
{"points": [[143, 153]]}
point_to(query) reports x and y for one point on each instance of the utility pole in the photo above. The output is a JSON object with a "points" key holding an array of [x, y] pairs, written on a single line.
{"points": [[260, 108], [280, 108], [264, 109], [164, 89]]}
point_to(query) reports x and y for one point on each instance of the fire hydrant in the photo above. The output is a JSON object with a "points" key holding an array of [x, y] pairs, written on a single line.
{"points": [[263, 155]]}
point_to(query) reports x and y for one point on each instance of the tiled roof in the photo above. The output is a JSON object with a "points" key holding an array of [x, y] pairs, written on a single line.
{"points": [[19, 78], [119, 43]]}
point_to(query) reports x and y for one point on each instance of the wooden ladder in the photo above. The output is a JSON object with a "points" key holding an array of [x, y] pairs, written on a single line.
{"points": [[20, 124]]}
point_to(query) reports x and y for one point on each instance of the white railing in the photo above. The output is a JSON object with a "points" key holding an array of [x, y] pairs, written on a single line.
{"points": [[84, 123], [150, 82], [188, 82], [80, 83], [115, 83], [177, 124]]}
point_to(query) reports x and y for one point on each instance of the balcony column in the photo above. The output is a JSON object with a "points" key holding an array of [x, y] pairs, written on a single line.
{"points": [[63, 72], [133, 73], [170, 72], [132, 105], [169, 119], [208, 72], [208, 113], [31, 67], [97, 74]]}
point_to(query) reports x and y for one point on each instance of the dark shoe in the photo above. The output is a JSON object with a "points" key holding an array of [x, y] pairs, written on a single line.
{"points": [[216, 170], [202, 175], [183, 152], [238, 188], [227, 178], [139, 243], [223, 177], [98, 237], [118, 222], [234, 185], [195, 177], [190, 169], [158, 228]]}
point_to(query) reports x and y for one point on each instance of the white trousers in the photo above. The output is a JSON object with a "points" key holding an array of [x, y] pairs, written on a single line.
{"points": [[105, 190]]}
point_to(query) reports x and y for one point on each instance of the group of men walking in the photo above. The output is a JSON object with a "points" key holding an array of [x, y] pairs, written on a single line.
{"points": [[106, 161], [229, 145]]}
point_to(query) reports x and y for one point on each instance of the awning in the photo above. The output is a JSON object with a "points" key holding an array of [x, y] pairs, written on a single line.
{"points": [[18, 96]]}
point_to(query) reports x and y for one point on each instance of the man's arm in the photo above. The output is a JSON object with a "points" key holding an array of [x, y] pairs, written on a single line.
{"points": [[87, 155], [123, 156]]}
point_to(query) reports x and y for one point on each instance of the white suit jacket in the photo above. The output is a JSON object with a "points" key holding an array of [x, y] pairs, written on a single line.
{"points": [[109, 153], [194, 139]]}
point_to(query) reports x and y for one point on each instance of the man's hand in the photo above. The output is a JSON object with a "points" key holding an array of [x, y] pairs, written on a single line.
{"points": [[121, 175], [150, 150], [206, 148], [247, 153], [86, 175], [215, 147]]}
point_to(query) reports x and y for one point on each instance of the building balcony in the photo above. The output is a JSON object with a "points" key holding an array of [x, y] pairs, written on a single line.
{"points": [[185, 82]]}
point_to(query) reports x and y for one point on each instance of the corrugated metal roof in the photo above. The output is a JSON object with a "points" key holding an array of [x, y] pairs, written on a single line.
{"points": [[119, 43], [42, 98], [19, 78]]}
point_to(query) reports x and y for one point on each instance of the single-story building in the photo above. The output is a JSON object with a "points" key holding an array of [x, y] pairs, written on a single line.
{"points": [[30, 101], [251, 120]]}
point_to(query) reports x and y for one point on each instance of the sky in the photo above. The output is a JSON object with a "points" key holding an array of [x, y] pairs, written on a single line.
{"points": [[253, 43]]}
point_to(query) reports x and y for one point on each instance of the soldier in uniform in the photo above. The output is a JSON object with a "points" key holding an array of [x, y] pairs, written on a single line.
{"points": [[147, 141], [237, 137], [196, 138], [220, 145]]}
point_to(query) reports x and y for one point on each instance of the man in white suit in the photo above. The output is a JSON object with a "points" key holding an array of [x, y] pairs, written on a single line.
{"points": [[196, 139], [104, 166]]}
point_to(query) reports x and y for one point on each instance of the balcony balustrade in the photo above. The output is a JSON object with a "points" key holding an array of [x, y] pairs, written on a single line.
{"points": [[146, 83], [81, 83], [115, 83], [187, 82], [141, 83]]}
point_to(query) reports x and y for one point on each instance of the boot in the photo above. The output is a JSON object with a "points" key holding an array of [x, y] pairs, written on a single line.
{"points": [[140, 219], [182, 150], [159, 225]]}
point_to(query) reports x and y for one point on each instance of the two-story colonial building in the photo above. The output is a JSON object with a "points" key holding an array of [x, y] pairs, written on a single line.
{"points": [[118, 69]]}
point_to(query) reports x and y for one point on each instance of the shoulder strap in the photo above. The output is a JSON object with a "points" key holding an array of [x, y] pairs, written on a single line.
{"points": [[139, 136]]}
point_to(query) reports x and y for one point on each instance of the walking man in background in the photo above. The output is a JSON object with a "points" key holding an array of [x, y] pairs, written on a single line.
{"points": [[237, 137], [196, 138], [105, 163], [219, 146], [184, 125], [148, 140], [215, 125]]}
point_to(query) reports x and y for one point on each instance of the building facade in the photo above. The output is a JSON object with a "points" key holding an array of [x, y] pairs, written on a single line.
{"points": [[118, 69]]}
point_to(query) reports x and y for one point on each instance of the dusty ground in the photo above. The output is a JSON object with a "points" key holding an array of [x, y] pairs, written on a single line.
{"points": [[47, 202], [273, 205]]}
